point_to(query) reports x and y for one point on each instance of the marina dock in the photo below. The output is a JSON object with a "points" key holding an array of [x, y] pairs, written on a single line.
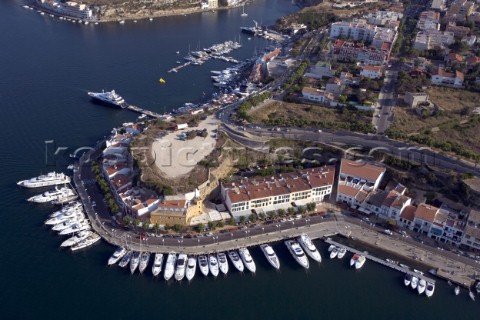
{"points": [[391, 265], [144, 111]]}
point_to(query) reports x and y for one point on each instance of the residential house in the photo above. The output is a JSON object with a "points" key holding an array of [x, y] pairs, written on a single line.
{"points": [[372, 72], [321, 70], [407, 216], [458, 31], [348, 79], [472, 62], [429, 20], [382, 18], [471, 237], [442, 78], [345, 50], [424, 218], [317, 95], [358, 30], [334, 85], [430, 39], [460, 9], [453, 58]]}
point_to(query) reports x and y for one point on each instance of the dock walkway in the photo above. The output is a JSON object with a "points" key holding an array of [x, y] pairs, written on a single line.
{"points": [[144, 111], [381, 261]]}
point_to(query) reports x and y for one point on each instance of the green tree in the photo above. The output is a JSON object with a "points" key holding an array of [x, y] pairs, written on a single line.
{"points": [[252, 217], [243, 219], [271, 214], [177, 228], [311, 206], [220, 224], [232, 221], [291, 210], [301, 210], [212, 225], [261, 216], [281, 212], [200, 227]]}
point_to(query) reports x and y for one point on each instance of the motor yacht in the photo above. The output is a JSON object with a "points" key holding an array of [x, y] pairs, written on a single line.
{"points": [[170, 266], [93, 238], [213, 265], [270, 255], [236, 260], [353, 259], [414, 282], [181, 266], [134, 261], [144, 260], [203, 264], [49, 179], [71, 215], [76, 238], [125, 259], [117, 255], [309, 248], [247, 259], [341, 252], [157, 264], [408, 279], [76, 227], [191, 268], [457, 290], [222, 262], [297, 253], [334, 253], [360, 262], [73, 206], [64, 225], [422, 284], [430, 289], [49, 196]]}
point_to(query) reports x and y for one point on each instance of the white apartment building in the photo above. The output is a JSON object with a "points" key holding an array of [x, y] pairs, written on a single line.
{"points": [[358, 30], [430, 39]]}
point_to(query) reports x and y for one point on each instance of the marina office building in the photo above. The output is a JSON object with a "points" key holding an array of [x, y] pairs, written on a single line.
{"points": [[278, 192]]}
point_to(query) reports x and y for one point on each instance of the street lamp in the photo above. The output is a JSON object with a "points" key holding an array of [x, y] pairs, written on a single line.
{"points": [[163, 242]]}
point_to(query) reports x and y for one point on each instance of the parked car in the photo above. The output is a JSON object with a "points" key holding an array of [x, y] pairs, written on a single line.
{"points": [[389, 232]]}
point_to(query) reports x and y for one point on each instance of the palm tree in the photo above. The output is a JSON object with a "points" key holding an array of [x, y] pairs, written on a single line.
{"points": [[271, 214], [201, 227], [291, 210], [232, 221], [252, 217], [281, 212], [261, 216], [243, 219], [301, 210]]}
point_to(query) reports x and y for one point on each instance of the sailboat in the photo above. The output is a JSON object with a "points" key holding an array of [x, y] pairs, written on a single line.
{"points": [[162, 80], [243, 13]]}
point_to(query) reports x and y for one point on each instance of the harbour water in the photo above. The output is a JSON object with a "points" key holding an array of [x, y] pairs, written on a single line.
{"points": [[46, 68]]}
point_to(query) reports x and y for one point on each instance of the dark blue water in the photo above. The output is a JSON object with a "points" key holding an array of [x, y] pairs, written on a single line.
{"points": [[46, 68]]}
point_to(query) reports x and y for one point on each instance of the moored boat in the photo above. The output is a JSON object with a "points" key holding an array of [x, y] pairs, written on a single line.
{"points": [[407, 279], [76, 238], [144, 259], [360, 262], [341, 252], [457, 290], [157, 264], [270, 255], [247, 259], [203, 264], [414, 282], [181, 265], [222, 262], [213, 265], [297, 253], [170, 266], [125, 260], [421, 286], [191, 268], [134, 261], [117, 255], [76, 227], [309, 248], [353, 259], [334, 253], [50, 179], [429, 289], [236, 260], [52, 195], [90, 240]]}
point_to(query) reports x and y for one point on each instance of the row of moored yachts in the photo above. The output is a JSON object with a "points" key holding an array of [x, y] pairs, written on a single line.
{"points": [[59, 195], [357, 260], [71, 220], [185, 266], [416, 282]]}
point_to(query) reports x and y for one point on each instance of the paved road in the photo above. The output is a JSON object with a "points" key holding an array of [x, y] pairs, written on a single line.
{"points": [[387, 100]]}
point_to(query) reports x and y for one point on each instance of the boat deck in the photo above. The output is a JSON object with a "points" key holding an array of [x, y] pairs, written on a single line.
{"points": [[381, 261]]}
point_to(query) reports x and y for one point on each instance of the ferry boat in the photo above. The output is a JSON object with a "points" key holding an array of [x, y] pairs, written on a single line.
{"points": [[134, 262], [236, 261], [181, 266], [117, 255], [125, 260], [50, 179], [297, 253], [76, 238], [430, 289], [222, 262], [191, 268], [157, 264], [170, 266], [92, 239], [144, 259], [203, 264], [247, 259], [109, 97], [309, 247], [213, 265], [270, 255]]}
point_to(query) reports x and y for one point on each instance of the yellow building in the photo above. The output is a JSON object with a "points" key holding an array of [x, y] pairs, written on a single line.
{"points": [[172, 212]]}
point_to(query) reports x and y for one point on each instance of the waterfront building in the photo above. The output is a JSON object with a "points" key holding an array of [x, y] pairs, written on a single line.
{"points": [[356, 180], [177, 210], [212, 4], [69, 8], [278, 192], [471, 237], [358, 30], [424, 218]]}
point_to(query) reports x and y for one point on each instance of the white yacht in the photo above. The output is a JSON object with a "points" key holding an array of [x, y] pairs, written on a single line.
{"points": [[65, 199], [170, 266], [71, 215], [50, 179], [203, 264], [414, 282], [309, 247], [76, 238], [360, 262], [422, 284], [76, 227], [457, 290], [191, 268], [354, 259], [222, 262], [297, 253], [117, 255], [213, 265], [51, 195], [331, 247], [144, 260], [236, 261], [430, 289], [408, 279], [247, 259], [74, 206], [64, 225], [334, 253], [270, 255], [341, 252], [181, 266], [109, 97], [125, 259], [157, 264], [134, 261], [93, 238]]}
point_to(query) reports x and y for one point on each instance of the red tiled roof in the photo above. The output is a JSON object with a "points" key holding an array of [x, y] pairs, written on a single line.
{"points": [[408, 213], [426, 212], [361, 170]]}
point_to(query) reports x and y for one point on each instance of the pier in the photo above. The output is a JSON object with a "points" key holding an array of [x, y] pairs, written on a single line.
{"points": [[144, 111], [391, 265]]}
